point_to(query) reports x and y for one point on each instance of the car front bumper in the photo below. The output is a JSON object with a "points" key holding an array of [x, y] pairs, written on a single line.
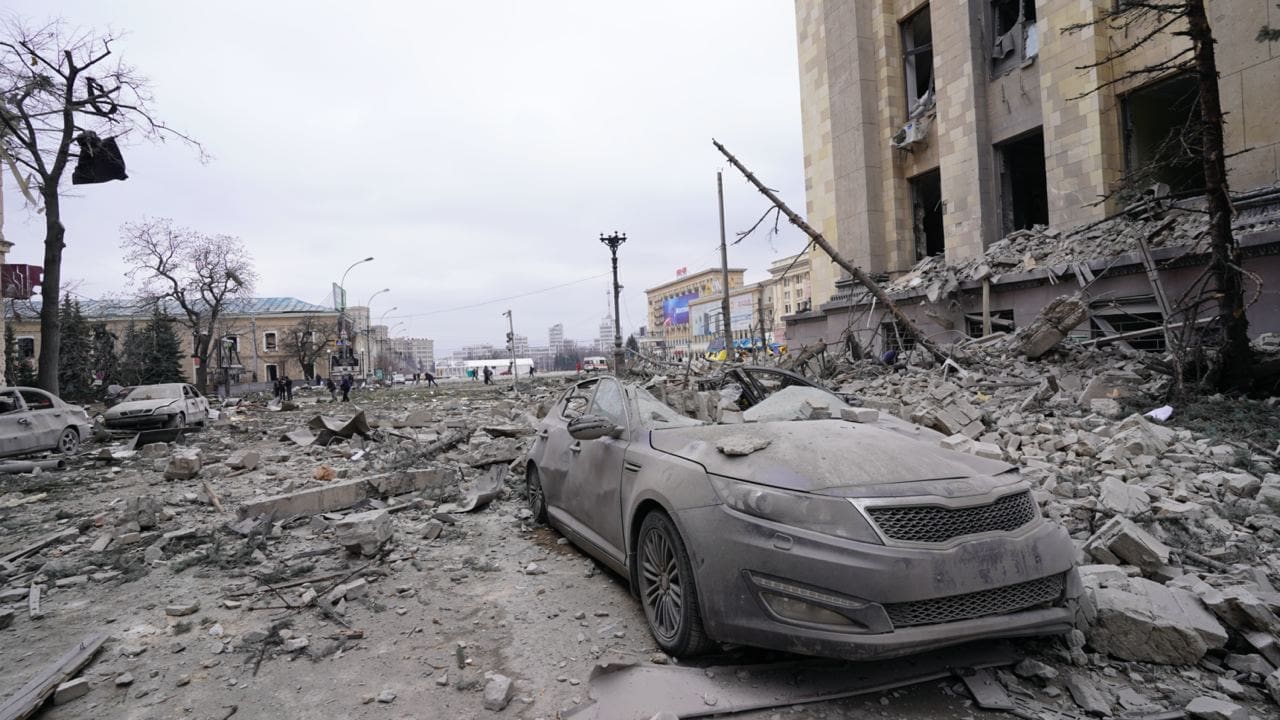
{"points": [[943, 596], [138, 422]]}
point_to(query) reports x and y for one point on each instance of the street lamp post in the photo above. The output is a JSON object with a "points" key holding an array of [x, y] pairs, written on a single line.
{"points": [[342, 311], [613, 241], [369, 308]]}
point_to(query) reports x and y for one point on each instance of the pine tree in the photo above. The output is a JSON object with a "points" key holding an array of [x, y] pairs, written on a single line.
{"points": [[162, 352], [75, 362], [131, 356]]}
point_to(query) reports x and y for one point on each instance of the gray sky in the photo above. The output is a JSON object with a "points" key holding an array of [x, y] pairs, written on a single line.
{"points": [[476, 149]]}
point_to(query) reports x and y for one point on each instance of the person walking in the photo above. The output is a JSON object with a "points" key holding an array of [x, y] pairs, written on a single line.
{"points": [[488, 375], [530, 372], [288, 388], [333, 389], [346, 388], [431, 380]]}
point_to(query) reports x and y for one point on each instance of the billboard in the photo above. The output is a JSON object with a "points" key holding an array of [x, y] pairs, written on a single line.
{"points": [[706, 314], [675, 311]]}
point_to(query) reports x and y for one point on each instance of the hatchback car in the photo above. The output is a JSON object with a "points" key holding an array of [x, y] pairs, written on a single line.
{"points": [[32, 420], [854, 540], [155, 406]]}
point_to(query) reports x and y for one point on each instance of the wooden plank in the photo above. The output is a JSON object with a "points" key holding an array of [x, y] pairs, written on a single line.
{"points": [[40, 544], [33, 602], [27, 700]]}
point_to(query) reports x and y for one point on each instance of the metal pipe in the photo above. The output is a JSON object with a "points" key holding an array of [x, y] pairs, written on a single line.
{"points": [[16, 467]]}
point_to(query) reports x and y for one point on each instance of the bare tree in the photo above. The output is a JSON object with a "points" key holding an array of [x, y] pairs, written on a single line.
{"points": [[196, 273], [1145, 21], [60, 85], [307, 340]]}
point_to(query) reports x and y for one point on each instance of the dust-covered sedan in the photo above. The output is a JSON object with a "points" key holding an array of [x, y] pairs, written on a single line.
{"points": [[32, 420], [822, 537], [172, 405]]}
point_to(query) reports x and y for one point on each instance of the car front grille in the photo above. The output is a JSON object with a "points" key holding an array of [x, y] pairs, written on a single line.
{"points": [[933, 524], [1007, 599]]}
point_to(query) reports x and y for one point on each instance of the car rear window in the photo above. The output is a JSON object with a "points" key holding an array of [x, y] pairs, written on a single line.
{"points": [[36, 401]]}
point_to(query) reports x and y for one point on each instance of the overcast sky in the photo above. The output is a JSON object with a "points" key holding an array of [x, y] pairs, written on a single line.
{"points": [[476, 149]]}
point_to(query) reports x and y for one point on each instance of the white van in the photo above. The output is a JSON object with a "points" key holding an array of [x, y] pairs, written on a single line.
{"points": [[595, 364]]}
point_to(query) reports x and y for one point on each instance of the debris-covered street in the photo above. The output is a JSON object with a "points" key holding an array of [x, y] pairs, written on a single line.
{"points": [[254, 569]]}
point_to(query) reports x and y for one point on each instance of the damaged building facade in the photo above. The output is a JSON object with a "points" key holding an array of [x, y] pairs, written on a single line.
{"points": [[934, 131]]}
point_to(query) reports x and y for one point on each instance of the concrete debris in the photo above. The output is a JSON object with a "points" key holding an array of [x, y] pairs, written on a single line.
{"points": [[184, 464], [71, 690], [1087, 695], [498, 692], [243, 459], [1208, 708], [1055, 320], [364, 532], [794, 403], [1121, 541], [1137, 619], [741, 445]]}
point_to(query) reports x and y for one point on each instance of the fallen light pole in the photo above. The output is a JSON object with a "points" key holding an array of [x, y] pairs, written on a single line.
{"points": [[839, 259], [619, 359]]}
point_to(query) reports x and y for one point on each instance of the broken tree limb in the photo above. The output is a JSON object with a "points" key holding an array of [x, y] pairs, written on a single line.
{"points": [[213, 497], [27, 700], [40, 544], [839, 259]]}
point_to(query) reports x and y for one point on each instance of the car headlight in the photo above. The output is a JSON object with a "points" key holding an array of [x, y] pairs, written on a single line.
{"points": [[826, 515], [149, 411]]}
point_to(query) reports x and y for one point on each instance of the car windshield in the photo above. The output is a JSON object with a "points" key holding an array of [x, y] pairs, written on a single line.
{"points": [[154, 392], [656, 414]]}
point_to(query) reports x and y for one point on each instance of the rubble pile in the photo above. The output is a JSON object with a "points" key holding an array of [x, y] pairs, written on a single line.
{"points": [[1059, 250]]}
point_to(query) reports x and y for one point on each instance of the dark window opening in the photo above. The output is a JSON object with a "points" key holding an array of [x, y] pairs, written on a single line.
{"points": [[1024, 192], [1108, 325], [1001, 321], [926, 213], [273, 373], [1014, 28], [896, 337], [26, 348], [917, 59], [1162, 136]]}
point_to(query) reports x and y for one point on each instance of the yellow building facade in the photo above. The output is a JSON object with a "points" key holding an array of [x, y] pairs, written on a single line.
{"points": [[669, 316], [940, 127]]}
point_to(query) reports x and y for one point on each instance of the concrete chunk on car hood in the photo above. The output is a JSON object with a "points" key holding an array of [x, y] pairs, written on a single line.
{"points": [[825, 455]]}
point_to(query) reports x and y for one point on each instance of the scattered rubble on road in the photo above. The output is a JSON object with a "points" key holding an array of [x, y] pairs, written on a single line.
{"points": [[215, 561]]}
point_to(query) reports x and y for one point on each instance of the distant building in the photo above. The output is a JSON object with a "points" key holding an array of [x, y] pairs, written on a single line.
{"points": [[555, 338], [706, 317], [257, 334], [788, 291], [668, 315], [604, 341]]}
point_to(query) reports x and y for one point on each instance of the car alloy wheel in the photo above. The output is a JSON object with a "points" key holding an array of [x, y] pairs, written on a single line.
{"points": [[537, 499], [68, 441], [178, 421], [667, 592]]}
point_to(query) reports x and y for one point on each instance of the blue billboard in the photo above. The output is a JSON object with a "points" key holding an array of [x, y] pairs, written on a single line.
{"points": [[675, 311]]}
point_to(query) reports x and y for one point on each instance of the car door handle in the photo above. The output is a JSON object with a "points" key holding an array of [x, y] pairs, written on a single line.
{"points": [[575, 448]]}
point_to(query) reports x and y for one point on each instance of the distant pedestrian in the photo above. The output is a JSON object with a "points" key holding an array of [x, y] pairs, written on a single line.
{"points": [[488, 375], [431, 380], [288, 388], [346, 388], [277, 389], [530, 371], [333, 389], [578, 369]]}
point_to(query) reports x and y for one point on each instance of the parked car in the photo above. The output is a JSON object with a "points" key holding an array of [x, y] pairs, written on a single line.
{"points": [[32, 420], [854, 540], [156, 406], [595, 364]]}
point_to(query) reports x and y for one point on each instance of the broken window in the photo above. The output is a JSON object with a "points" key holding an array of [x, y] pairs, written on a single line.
{"points": [[897, 337], [917, 60], [1024, 194], [26, 348], [269, 341], [1014, 29], [1001, 321], [1133, 314], [926, 213], [1162, 136], [273, 372]]}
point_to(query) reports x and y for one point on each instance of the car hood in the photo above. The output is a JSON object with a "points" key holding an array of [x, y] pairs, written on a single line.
{"points": [[135, 405], [835, 457]]}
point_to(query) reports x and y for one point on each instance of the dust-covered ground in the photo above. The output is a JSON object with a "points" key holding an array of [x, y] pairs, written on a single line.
{"points": [[215, 613]]}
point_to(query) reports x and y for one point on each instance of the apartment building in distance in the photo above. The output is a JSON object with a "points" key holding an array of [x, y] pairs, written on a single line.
{"points": [[788, 291], [940, 127], [668, 315]]}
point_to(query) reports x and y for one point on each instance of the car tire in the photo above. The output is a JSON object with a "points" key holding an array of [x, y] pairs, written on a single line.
{"points": [[536, 498], [69, 441], [668, 593], [178, 421]]}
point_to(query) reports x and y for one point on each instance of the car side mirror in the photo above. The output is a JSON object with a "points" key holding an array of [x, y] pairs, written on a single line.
{"points": [[593, 427]]}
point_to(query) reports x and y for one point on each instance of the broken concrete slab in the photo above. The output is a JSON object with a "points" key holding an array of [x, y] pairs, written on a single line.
{"points": [[484, 490], [498, 692], [364, 532], [741, 445], [1087, 695], [794, 403], [1120, 540], [1122, 498], [1058, 318], [860, 414], [312, 501], [243, 459], [1145, 621], [71, 690], [183, 464], [434, 483], [1208, 708]]}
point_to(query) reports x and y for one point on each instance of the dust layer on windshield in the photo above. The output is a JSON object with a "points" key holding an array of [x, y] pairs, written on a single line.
{"points": [[153, 393]]}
